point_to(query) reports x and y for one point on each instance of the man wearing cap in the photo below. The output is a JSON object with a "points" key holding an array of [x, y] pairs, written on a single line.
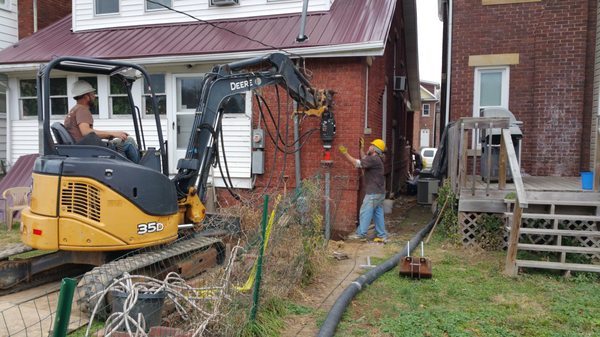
{"points": [[80, 122], [372, 205]]}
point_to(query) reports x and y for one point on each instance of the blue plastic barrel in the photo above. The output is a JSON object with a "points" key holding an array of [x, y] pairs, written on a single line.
{"points": [[587, 180]]}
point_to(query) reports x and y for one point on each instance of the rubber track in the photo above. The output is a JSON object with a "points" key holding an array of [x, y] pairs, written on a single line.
{"points": [[14, 249], [99, 278]]}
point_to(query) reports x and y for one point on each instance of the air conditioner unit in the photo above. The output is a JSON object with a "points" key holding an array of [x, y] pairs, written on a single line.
{"points": [[399, 83], [224, 2]]}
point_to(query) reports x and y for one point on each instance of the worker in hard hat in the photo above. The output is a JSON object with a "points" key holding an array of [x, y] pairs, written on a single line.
{"points": [[374, 184], [80, 123]]}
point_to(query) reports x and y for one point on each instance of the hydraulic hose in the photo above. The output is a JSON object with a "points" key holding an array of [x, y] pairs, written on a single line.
{"points": [[337, 310]]}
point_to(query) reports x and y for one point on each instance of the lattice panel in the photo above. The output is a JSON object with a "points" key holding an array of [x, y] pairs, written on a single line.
{"points": [[536, 238], [584, 241], [469, 227]]}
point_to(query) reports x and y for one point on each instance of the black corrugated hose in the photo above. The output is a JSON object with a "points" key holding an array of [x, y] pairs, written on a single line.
{"points": [[335, 314]]}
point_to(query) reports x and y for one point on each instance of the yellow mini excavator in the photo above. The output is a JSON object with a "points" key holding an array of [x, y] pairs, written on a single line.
{"points": [[91, 205]]}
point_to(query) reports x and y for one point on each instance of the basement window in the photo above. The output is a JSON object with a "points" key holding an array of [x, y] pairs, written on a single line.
{"points": [[102, 7], [155, 5]]}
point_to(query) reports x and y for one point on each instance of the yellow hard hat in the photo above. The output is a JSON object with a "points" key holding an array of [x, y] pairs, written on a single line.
{"points": [[380, 144]]}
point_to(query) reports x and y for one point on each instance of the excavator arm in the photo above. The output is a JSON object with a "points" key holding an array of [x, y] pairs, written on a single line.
{"points": [[218, 86]]}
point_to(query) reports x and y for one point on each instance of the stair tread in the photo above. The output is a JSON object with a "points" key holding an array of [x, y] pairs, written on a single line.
{"points": [[551, 231], [558, 265], [557, 216], [555, 248]]}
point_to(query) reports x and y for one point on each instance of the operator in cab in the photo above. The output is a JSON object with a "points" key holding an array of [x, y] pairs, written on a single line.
{"points": [[80, 124]]}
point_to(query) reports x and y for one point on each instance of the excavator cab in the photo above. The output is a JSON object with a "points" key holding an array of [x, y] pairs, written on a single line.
{"points": [[89, 197]]}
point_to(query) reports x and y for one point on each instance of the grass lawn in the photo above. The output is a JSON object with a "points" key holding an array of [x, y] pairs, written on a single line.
{"points": [[469, 296]]}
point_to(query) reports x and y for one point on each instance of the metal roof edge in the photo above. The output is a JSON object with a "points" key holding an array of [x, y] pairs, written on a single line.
{"points": [[374, 48]]}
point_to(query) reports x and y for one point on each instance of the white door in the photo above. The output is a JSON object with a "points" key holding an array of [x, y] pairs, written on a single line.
{"points": [[187, 93], [424, 138]]}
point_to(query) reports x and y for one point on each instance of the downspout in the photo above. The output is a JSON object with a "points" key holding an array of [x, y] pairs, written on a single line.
{"points": [[449, 64], [366, 131], [35, 16], [297, 146]]}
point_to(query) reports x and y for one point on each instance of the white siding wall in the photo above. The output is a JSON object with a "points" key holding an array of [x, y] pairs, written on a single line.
{"points": [[132, 12], [23, 133], [9, 26]]}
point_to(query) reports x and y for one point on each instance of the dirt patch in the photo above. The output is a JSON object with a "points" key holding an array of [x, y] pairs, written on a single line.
{"points": [[349, 259]]}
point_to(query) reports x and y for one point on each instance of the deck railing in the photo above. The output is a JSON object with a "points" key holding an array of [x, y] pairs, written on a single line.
{"points": [[464, 149]]}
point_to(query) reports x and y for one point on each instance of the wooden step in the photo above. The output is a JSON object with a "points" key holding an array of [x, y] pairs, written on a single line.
{"points": [[558, 249], [544, 216], [558, 265], [530, 202], [563, 232]]}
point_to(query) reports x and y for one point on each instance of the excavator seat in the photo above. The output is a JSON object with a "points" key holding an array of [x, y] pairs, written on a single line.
{"points": [[61, 134]]}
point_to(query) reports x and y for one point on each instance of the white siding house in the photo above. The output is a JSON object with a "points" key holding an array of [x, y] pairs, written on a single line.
{"points": [[9, 34]]}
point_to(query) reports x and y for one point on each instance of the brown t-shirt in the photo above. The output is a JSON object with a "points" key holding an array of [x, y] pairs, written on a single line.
{"points": [[79, 114], [374, 178]]}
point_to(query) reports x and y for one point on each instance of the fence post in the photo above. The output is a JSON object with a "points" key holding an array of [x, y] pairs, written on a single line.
{"points": [[63, 308], [510, 268], [255, 293]]}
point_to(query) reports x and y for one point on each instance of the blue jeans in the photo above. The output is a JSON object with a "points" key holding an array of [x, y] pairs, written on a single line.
{"points": [[372, 208], [127, 147]]}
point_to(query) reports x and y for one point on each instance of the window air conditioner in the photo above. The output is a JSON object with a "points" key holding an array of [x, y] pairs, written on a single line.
{"points": [[399, 83], [224, 2]]}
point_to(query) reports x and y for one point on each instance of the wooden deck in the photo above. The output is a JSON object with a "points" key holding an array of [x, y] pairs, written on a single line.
{"points": [[476, 196]]}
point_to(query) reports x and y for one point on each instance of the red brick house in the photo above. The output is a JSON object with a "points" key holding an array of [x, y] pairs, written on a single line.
{"points": [[535, 58], [427, 121], [357, 48]]}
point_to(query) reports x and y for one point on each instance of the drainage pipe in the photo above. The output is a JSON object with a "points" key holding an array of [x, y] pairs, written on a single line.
{"points": [[297, 147], [335, 314]]}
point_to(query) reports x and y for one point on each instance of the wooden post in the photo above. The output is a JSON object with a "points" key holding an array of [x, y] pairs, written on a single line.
{"points": [[510, 268], [462, 166], [502, 164], [597, 161]]}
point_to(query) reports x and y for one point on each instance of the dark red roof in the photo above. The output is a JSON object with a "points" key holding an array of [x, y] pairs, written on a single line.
{"points": [[347, 22]]}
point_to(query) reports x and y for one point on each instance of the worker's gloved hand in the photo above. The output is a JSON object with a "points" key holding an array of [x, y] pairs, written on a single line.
{"points": [[343, 149], [361, 143]]}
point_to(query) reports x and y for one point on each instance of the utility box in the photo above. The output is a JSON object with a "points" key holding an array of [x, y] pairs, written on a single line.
{"points": [[258, 162], [426, 188]]}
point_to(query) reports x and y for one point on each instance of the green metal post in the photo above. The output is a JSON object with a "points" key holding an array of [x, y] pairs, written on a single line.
{"points": [[63, 309], [260, 258]]}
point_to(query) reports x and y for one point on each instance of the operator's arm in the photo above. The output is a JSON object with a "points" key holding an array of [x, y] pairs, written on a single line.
{"points": [[348, 157], [85, 129]]}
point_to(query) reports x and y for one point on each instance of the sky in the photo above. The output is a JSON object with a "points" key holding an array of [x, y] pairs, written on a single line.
{"points": [[429, 29]]}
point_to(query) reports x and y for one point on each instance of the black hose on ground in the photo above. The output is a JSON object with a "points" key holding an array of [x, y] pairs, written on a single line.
{"points": [[338, 308]]}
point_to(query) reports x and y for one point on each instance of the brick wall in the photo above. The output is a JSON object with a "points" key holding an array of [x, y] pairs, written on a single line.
{"points": [[554, 40], [347, 77], [48, 12]]}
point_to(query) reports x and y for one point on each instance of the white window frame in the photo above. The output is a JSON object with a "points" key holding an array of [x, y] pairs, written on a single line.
{"points": [[504, 95], [157, 94], [66, 95], [107, 14], [6, 5], [21, 98], [428, 113], [111, 113], [157, 9]]}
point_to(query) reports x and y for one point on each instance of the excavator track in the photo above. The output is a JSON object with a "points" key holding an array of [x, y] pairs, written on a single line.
{"points": [[98, 279]]}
